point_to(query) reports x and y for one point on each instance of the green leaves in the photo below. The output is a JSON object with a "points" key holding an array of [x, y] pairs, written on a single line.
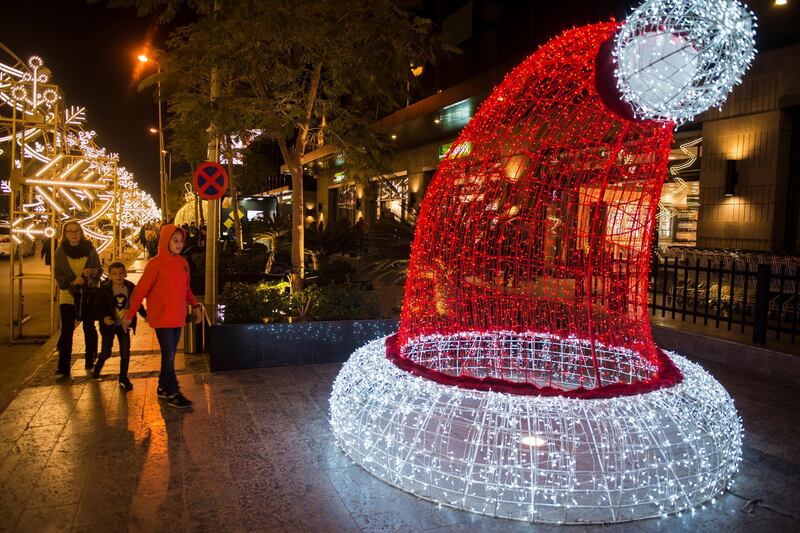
{"points": [[271, 302], [266, 53]]}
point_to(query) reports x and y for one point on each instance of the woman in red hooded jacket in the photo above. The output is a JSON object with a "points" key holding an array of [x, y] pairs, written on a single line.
{"points": [[165, 284]]}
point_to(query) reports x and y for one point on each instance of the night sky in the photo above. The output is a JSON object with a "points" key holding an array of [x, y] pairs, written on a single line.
{"points": [[92, 51]]}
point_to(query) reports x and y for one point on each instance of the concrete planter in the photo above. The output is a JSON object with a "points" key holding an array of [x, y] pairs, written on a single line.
{"points": [[239, 346]]}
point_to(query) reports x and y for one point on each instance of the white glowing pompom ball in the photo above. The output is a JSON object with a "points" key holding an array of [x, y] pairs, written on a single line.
{"points": [[676, 59]]}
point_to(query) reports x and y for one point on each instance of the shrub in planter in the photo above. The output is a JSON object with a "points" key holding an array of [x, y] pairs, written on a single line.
{"points": [[252, 304], [345, 302], [277, 299], [305, 303], [242, 264], [336, 271], [243, 304]]}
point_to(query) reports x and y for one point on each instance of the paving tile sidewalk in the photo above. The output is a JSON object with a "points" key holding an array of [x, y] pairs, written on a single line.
{"points": [[256, 453]]}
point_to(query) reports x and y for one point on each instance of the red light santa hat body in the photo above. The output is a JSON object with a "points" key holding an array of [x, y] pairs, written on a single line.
{"points": [[530, 266]]}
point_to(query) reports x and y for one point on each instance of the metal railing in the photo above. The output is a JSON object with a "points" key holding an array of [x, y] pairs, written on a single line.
{"points": [[729, 290]]}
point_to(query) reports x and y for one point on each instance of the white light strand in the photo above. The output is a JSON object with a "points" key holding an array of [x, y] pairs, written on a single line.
{"points": [[676, 59], [533, 458], [539, 358]]}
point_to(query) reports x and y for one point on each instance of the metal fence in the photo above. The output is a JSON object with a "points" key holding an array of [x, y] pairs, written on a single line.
{"points": [[744, 291]]}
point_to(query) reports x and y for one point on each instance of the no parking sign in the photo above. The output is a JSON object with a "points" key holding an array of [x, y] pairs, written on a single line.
{"points": [[210, 180]]}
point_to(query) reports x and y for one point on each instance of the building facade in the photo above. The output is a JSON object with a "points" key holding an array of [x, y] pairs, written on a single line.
{"points": [[732, 181]]}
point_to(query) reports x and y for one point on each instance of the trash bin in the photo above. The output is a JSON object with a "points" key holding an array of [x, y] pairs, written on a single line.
{"points": [[193, 334]]}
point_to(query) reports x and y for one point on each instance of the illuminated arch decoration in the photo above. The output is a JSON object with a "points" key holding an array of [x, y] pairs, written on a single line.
{"points": [[67, 171], [524, 381]]}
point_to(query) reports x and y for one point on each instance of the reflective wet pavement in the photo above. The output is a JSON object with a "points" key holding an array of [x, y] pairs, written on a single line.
{"points": [[256, 453]]}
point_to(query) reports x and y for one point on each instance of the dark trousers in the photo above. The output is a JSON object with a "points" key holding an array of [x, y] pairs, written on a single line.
{"points": [[65, 339], [124, 340], [168, 341]]}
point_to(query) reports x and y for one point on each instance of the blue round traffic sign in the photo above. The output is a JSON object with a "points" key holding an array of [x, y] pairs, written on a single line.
{"points": [[210, 180]]}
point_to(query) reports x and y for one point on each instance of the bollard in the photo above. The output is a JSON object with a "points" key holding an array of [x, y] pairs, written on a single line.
{"points": [[193, 334]]}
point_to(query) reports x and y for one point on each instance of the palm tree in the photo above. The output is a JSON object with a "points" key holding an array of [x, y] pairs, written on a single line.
{"points": [[389, 248], [324, 240], [276, 230]]}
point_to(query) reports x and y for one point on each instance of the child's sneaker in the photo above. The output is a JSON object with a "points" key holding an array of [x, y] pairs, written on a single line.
{"points": [[179, 400], [126, 385]]}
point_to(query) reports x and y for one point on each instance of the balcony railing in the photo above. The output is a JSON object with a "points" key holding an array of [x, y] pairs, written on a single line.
{"points": [[729, 290]]}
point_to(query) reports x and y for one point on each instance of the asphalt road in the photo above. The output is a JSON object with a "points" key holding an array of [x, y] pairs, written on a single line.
{"points": [[19, 361]]}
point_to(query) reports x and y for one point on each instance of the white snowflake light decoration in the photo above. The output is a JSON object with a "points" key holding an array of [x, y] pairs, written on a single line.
{"points": [[676, 59]]}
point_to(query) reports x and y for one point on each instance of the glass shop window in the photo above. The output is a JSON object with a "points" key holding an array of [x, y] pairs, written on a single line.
{"points": [[392, 196]]}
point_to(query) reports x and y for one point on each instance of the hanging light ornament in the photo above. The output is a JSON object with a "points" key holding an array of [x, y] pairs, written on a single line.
{"points": [[524, 381], [677, 59]]}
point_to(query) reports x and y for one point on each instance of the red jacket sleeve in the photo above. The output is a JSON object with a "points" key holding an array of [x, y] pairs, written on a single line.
{"points": [[142, 289], [189, 296]]}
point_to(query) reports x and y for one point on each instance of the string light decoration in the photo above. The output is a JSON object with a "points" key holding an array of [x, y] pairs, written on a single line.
{"points": [[524, 381], [545, 226], [55, 176], [542, 459], [679, 58]]}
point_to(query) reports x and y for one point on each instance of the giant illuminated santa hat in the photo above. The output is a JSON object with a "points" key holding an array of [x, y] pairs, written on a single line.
{"points": [[524, 381]]}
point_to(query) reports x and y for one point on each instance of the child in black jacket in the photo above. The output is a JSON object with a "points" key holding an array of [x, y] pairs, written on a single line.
{"points": [[111, 304]]}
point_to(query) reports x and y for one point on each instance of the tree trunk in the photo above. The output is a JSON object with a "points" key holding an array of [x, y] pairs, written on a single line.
{"points": [[294, 160], [237, 223], [298, 231], [271, 257]]}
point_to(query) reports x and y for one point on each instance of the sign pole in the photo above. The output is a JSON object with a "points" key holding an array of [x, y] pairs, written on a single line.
{"points": [[212, 222]]}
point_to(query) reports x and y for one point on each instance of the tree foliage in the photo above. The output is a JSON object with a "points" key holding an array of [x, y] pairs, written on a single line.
{"points": [[297, 71], [389, 248]]}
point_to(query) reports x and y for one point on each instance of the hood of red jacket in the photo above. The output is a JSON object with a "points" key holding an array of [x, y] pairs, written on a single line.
{"points": [[167, 231]]}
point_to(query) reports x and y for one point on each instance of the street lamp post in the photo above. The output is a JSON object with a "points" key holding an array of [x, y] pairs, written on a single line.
{"points": [[168, 166], [144, 58]]}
